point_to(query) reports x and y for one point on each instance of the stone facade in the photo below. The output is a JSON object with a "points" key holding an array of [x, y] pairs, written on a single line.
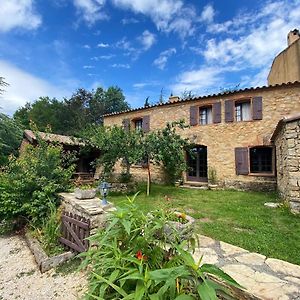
{"points": [[221, 139], [287, 140]]}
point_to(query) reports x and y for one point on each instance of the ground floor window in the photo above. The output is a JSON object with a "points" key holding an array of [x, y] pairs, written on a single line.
{"points": [[261, 160]]}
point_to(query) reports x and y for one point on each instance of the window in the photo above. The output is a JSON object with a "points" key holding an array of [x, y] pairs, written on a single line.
{"points": [[205, 114], [261, 160], [242, 111], [138, 124]]}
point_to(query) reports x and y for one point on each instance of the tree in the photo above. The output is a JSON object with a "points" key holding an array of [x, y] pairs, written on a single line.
{"points": [[116, 144], [10, 138], [186, 95], [165, 147], [3, 83], [72, 115]]}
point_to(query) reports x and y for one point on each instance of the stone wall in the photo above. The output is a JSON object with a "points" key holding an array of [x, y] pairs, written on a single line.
{"points": [[221, 139], [287, 141]]}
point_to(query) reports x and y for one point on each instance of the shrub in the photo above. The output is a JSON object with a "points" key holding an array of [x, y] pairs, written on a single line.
{"points": [[131, 260], [30, 182]]}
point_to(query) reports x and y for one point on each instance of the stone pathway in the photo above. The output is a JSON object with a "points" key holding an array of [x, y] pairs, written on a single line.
{"points": [[266, 278]]}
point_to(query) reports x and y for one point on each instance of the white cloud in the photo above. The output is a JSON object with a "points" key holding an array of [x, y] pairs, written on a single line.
{"points": [[88, 67], [198, 80], [102, 45], [207, 14], [86, 46], [18, 14], [106, 57], [147, 39], [127, 21], [121, 66], [162, 60], [141, 85], [18, 91], [168, 15], [91, 10]]}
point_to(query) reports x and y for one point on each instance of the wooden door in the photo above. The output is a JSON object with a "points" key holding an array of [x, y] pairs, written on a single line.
{"points": [[197, 164]]}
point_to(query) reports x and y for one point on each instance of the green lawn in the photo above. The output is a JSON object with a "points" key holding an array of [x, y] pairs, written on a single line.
{"points": [[239, 218]]}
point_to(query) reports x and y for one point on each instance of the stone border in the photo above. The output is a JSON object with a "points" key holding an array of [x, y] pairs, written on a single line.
{"points": [[44, 262]]}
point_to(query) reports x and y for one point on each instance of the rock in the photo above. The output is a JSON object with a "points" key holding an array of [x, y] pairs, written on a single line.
{"points": [[85, 194], [272, 204]]}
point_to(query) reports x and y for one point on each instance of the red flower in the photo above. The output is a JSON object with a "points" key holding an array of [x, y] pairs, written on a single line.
{"points": [[140, 255]]}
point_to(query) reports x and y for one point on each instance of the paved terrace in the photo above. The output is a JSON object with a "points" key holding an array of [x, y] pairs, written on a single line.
{"points": [[266, 278]]}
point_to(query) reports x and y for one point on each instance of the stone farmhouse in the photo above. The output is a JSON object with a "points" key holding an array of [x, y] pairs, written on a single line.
{"points": [[250, 137]]}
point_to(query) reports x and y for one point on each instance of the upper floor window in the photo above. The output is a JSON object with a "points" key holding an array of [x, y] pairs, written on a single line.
{"points": [[205, 114], [138, 124], [243, 111]]}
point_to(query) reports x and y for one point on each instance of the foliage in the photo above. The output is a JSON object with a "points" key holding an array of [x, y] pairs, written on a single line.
{"points": [[70, 116], [49, 231], [212, 175], [187, 94], [30, 182], [3, 83], [10, 138], [131, 260], [115, 144], [166, 147]]}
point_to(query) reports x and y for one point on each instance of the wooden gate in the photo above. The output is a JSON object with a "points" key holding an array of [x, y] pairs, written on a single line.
{"points": [[74, 231]]}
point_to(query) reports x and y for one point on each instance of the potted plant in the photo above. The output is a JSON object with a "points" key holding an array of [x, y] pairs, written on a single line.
{"points": [[85, 192], [212, 178]]}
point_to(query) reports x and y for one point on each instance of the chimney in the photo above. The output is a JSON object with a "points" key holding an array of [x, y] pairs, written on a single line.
{"points": [[173, 99], [293, 36]]}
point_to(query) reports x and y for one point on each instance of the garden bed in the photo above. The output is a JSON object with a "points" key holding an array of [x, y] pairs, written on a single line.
{"points": [[44, 262]]}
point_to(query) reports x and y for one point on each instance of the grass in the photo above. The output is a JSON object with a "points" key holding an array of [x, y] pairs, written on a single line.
{"points": [[235, 217]]}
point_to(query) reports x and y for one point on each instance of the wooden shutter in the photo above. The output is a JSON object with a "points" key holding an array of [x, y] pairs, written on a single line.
{"points": [[194, 115], [241, 161], [217, 112], [146, 124], [229, 108], [257, 108], [126, 124]]}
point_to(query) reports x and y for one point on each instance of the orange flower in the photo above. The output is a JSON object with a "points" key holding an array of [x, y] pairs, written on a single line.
{"points": [[140, 255]]}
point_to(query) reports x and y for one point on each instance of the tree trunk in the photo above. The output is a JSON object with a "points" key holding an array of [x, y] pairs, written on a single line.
{"points": [[148, 179]]}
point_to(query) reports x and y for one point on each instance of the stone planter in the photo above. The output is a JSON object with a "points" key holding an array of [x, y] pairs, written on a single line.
{"points": [[85, 194], [178, 230], [212, 186]]}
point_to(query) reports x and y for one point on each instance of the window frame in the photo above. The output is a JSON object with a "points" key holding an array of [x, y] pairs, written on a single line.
{"points": [[239, 102], [134, 122], [205, 107], [273, 164]]}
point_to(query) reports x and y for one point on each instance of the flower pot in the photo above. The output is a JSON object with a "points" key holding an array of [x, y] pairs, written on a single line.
{"points": [[85, 194], [179, 231]]}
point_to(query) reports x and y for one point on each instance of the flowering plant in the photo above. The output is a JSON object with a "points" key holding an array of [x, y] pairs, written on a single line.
{"points": [[132, 260]]}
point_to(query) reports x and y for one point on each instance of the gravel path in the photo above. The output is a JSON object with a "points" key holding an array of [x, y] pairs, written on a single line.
{"points": [[21, 279]]}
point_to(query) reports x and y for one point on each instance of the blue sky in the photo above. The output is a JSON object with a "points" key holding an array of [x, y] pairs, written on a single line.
{"points": [[143, 46]]}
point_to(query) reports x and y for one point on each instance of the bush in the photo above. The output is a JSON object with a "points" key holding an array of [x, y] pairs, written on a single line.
{"points": [[131, 260], [30, 182]]}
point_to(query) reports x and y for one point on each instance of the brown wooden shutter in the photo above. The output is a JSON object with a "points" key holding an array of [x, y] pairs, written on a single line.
{"points": [[229, 108], [146, 124], [126, 124], [194, 115], [217, 112], [257, 108], [241, 161]]}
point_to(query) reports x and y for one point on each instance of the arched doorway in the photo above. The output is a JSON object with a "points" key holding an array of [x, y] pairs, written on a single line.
{"points": [[197, 164]]}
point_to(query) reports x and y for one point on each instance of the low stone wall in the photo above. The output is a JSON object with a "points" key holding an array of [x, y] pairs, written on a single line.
{"points": [[287, 142]]}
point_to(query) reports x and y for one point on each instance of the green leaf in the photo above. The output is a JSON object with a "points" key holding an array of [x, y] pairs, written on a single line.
{"points": [[115, 287], [212, 269], [206, 292], [184, 297], [166, 274], [139, 290], [127, 225]]}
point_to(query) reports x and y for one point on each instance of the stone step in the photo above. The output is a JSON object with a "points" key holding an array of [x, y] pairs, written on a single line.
{"points": [[195, 185]]}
